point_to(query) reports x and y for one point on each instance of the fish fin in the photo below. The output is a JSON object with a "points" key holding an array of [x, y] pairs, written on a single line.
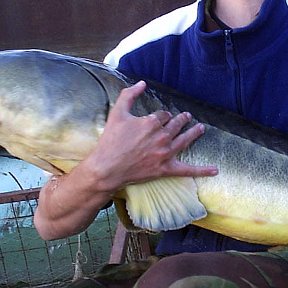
{"points": [[64, 165], [163, 204], [43, 164], [120, 206], [24, 153]]}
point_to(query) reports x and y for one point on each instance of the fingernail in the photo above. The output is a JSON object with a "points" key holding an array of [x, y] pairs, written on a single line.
{"points": [[214, 171], [188, 115], [141, 83], [201, 127]]}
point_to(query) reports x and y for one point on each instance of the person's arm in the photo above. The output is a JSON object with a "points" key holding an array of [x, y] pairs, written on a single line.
{"points": [[131, 149]]}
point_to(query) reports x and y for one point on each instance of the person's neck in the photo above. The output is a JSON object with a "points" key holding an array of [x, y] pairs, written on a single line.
{"points": [[236, 14]]}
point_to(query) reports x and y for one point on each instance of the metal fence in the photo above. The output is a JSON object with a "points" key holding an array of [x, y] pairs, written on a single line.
{"points": [[28, 261]]}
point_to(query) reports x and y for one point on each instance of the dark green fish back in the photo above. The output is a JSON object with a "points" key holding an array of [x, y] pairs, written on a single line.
{"points": [[223, 119]]}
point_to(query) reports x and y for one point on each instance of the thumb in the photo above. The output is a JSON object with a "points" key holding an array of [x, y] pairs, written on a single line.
{"points": [[128, 96]]}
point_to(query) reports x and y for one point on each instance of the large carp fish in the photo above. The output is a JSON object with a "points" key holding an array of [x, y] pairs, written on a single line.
{"points": [[53, 110]]}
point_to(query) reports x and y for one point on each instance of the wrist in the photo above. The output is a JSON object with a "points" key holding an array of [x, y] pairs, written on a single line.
{"points": [[97, 179]]}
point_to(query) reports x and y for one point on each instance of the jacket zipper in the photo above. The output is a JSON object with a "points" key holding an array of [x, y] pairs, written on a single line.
{"points": [[233, 64]]}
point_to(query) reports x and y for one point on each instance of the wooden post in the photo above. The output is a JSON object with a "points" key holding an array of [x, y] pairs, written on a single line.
{"points": [[120, 244]]}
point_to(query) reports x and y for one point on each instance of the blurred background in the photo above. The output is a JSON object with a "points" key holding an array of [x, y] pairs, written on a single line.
{"points": [[88, 28]]}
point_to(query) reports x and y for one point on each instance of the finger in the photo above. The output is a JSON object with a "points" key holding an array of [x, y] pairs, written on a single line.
{"points": [[128, 96], [185, 170], [175, 125], [162, 116], [183, 140]]}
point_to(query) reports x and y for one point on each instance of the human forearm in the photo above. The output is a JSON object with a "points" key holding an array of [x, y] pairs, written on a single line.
{"points": [[69, 203]]}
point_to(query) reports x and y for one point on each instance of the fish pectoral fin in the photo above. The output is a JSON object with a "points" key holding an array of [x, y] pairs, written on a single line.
{"points": [[164, 204], [25, 153], [43, 164], [64, 165]]}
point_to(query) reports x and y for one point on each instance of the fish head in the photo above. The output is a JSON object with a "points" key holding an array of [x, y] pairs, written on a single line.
{"points": [[53, 108]]}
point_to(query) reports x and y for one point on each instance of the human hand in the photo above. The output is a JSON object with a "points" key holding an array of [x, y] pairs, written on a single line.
{"points": [[136, 149]]}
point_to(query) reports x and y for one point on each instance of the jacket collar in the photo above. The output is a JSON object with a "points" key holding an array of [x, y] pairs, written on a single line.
{"points": [[248, 41]]}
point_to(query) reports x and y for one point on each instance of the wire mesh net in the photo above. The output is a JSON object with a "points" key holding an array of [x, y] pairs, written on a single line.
{"points": [[28, 261]]}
